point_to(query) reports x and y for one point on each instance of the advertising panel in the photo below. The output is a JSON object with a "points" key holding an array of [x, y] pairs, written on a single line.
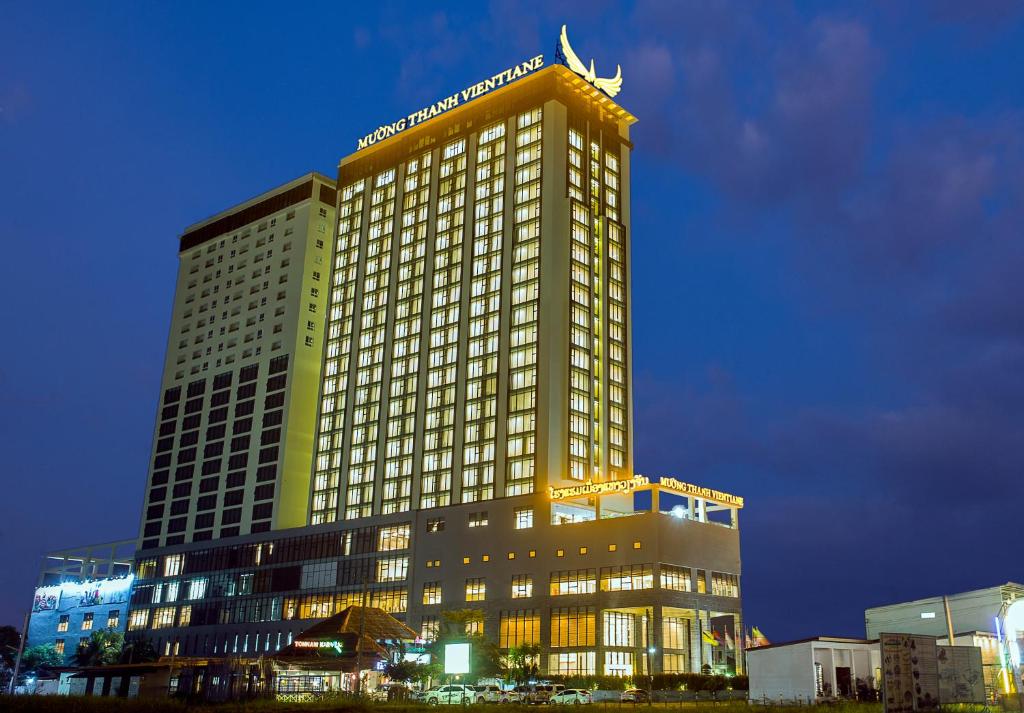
{"points": [[961, 676], [910, 680]]}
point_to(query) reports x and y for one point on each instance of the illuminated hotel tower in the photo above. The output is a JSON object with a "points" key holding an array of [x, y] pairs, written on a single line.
{"points": [[478, 335], [233, 439]]}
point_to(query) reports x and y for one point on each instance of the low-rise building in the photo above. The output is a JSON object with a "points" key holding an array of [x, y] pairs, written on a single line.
{"points": [[812, 669], [81, 590]]}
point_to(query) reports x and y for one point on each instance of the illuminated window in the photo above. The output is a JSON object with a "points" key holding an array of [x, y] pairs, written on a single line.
{"points": [[522, 586], [393, 537], [430, 628], [533, 553], [573, 581], [138, 619], [476, 589], [618, 663], [676, 578], [519, 627], [674, 663], [583, 550], [465, 560], [432, 593], [62, 625], [725, 585], [87, 621], [612, 548], [392, 569], [636, 545], [197, 587], [523, 518], [486, 558], [185, 615], [559, 553], [623, 629], [433, 563], [147, 569], [435, 524], [572, 663], [511, 555], [163, 617], [627, 578], [58, 646], [478, 519], [173, 564], [572, 627], [113, 619], [675, 633]]}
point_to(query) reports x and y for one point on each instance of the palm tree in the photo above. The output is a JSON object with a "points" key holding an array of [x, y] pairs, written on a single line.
{"points": [[102, 649]]}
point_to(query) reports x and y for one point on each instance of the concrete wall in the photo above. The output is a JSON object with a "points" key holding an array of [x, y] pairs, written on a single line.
{"points": [[783, 673]]}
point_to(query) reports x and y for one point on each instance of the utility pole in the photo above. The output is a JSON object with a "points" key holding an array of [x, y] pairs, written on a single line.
{"points": [[21, 650], [949, 618]]}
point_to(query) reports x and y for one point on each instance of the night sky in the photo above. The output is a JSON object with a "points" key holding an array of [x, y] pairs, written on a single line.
{"points": [[828, 266]]}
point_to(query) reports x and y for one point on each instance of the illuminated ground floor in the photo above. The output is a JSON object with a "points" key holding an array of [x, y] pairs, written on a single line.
{"points": [[605, 583]]}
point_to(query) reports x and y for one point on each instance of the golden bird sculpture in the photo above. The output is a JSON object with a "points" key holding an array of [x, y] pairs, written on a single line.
{"points": [[610, 86]]}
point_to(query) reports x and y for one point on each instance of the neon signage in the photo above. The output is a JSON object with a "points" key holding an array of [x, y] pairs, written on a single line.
{"points": [[386, 131]]}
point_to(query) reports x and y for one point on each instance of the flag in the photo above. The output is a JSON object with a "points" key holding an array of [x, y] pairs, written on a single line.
{"points": [[729, 643], [748, 643], [759, 638], [709, 638]]}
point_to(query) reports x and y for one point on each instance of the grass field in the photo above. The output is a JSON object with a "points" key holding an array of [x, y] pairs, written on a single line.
{"points": [[92, 704]]}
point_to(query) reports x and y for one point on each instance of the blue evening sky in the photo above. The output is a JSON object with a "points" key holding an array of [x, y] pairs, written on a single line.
{"points": [[827, 255]]}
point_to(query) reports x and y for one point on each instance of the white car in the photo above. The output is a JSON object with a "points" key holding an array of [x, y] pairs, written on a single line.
{"points": [[491, 693], [572, 696], [455, 694]]}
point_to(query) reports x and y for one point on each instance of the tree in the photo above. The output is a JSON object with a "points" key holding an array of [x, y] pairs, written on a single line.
{"points": [[41, 656], [138, 651], [404, 671], [522, 662], [102, 649], [10, 640]]}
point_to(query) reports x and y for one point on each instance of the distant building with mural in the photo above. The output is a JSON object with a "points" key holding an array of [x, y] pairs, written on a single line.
{"points": [[79, 591]]}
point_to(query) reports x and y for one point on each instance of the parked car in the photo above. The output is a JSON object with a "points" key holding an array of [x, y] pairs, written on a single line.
{"points": [[543, 692], [491, 693], [635, 695], [392, 692], [453, 694], [573, 696], [515, 695]]}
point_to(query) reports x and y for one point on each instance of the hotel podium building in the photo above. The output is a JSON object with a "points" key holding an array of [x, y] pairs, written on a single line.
{"points": [[474, 444]]}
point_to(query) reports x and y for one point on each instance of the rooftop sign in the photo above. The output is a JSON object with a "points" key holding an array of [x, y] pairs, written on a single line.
{"points": [[500, 79], [698, 492], [592, 488], [638, 482]]}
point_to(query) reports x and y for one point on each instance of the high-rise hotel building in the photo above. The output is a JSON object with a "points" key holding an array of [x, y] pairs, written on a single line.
{"points": [[235, 421], [473, 424], [478, 340]]}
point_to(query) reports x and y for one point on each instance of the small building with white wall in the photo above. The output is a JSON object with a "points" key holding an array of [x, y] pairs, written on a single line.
{"points": [[813, 669]]}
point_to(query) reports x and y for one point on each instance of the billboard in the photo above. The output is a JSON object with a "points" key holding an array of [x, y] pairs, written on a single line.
{"points": [[910, 678], [961, 676], [71, 595], [46, 599], [456, 658]]}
